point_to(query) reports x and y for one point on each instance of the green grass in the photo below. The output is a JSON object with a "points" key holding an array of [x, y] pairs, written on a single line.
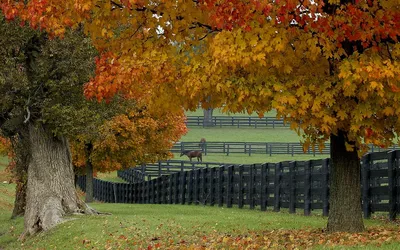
{"points": [[131, 226], [218, 112], [110, 176], [134, 226], [241, 135], [255, 158]]}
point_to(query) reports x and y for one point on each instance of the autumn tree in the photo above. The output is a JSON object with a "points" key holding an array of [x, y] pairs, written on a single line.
{"points": [[329, 67], [41, 84], [134, 134]]}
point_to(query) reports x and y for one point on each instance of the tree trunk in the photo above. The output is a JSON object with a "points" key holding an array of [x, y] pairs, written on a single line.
{"points": [[208, 117], [50, 191], [21, 149], [89, 175], [345, 213]]}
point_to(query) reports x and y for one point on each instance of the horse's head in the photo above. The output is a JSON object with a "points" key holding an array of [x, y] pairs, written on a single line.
{"points": [[182, 153]]}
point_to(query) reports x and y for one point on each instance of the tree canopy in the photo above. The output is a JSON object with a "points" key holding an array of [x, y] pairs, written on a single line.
{"points": [[329, 67]]}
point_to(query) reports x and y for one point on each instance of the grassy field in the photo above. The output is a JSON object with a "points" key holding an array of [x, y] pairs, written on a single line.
{"points": [[241, 135], [255, 158], [135, 226]]}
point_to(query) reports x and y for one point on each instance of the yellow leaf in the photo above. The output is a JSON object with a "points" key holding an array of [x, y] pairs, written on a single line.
{"points": [[388, 111], [349, 147]]}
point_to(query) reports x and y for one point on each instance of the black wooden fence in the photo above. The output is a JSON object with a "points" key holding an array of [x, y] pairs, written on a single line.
{"points": [[249, 148], [237, 121], [290, 184]]}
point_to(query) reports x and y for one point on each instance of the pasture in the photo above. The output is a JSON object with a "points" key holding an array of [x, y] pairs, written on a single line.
{"points": [[146, 226], [133, 226]]}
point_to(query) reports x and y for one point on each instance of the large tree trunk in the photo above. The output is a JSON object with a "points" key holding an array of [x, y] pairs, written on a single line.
{"points": [[208, 117], [21, 149], [50, 191], [345, 214], [89, 175]]}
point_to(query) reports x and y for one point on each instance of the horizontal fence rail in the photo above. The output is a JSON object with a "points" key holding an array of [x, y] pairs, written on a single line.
{"points": [[249, 148], [236, 121], [290, 184]]}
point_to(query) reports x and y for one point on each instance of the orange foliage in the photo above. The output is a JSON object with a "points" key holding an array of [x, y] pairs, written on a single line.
{"points": [[6, 149], [130, 139], [324, 65]]}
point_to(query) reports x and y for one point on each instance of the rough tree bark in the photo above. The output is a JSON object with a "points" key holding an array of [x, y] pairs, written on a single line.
{"points": [[21, 150], [50, 191], [89, 175], [345, 212]]}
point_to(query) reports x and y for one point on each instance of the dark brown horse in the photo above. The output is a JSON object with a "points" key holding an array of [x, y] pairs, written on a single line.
{"points": [[192, 154]]}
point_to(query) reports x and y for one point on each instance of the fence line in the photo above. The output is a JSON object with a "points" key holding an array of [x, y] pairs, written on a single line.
{"points": [[249, 148], [237, 121], [290, 184]]}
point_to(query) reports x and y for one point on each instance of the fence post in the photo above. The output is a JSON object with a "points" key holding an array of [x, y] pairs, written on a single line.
{"points": [[212, 186], [115, 187], [292, 187], [190, 187], [263, 186], [229, 187], [252, 173], [277, 187], [325, 187], [365, 171], [183, 187], [153, 191], [159, 189], [143, 193], [392, 169], [196, 186], [227, 151], [240, 202], [307, 188], [176, 187], [220, 186], [170, 188], [204, 194], [249, 149]]}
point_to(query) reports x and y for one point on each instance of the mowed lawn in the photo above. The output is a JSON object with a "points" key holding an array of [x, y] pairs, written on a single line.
{"points": [[233, 134], [145, 226]]}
